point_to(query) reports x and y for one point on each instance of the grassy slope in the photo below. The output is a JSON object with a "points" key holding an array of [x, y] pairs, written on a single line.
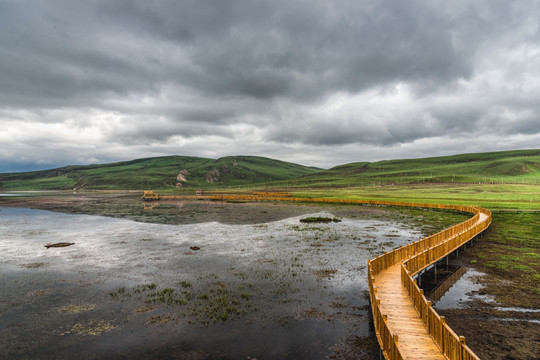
{"points": [[522, 166], [157, 173]]}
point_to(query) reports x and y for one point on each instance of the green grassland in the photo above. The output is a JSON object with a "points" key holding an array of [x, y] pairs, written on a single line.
{"points": [[491, 196], [521, 166], [507, 167]]}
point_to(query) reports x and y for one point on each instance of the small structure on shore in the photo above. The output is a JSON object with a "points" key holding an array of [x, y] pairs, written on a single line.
{"points": [[150, 195]]}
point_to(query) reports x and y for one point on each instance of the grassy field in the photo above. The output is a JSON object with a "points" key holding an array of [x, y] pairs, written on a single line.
{"points": [[511, 251], [498, 167], [492, 196]]}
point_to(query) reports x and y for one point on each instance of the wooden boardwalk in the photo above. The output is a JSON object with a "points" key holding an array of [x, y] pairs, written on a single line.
{"points": [[407, 326], [403, 319]]}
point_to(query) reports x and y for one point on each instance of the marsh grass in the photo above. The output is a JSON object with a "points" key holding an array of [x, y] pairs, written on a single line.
{"points": [[511, 250], [212, 303]]}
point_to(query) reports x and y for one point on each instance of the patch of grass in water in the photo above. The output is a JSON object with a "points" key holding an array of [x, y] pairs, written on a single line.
{"points": [[319, 219], [203, 308], [165, 296], [184, 284]]}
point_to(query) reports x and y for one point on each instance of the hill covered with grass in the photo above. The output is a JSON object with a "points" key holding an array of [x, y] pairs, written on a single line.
{"points": [[170, 172], [158, 173], [520, 166]]}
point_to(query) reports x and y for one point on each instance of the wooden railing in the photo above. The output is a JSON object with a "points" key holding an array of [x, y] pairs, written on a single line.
{"points": [[416, 257], [413, 258]]}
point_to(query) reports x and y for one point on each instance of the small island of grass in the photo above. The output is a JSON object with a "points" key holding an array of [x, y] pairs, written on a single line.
{"points": [[319, 219]]}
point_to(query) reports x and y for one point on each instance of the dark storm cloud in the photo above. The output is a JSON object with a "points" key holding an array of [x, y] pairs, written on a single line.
{"points": [[284, 73], [63, 50]]}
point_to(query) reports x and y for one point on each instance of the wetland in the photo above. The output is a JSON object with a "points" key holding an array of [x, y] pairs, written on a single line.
{"points": [[217, 280]]}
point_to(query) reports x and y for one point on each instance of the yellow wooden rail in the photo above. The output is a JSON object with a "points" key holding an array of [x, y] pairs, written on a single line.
{"points": [[416, 257], [412, 258]]}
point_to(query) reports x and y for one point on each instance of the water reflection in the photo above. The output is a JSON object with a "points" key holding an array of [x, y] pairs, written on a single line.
{"points": [[271, 275], [458, 289]]}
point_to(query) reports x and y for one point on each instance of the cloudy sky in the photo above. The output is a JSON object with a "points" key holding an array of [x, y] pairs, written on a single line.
{"points": [[314, 82]]}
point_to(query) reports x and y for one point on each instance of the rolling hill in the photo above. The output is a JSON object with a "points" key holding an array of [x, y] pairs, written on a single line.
{"points": [[169, 172], [158, 173], [520, 166]]}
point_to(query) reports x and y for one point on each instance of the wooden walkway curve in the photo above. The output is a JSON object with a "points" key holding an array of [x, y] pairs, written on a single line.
{"points": [[406, 325]]}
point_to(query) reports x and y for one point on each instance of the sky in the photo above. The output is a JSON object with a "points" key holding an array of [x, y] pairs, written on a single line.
{"points": [[318, 83]]}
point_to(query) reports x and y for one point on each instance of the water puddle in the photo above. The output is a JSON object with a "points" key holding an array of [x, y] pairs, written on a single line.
{"points": [[516, 309], [460, 290], [533, 321]]}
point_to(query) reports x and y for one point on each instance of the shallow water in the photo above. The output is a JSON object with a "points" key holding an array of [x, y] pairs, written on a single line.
{"points": [[463, 291], [274, 290]]}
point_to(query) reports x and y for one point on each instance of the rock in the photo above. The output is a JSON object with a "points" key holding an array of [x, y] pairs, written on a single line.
{"points": [[60, 244]]}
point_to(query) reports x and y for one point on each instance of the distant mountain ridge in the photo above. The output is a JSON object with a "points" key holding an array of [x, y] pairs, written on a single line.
{"points": [[519, 166], [158, 173]]}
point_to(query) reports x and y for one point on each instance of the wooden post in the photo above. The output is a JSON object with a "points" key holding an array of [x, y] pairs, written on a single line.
{"points": [[427, 317], [443, 342], [462, 345]]}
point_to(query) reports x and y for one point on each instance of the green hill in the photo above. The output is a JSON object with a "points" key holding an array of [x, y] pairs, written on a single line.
{"points": [[158, 173], [521, 166]]}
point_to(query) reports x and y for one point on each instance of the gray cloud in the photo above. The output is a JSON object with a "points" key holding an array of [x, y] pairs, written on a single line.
{"points": [[274, 78]]}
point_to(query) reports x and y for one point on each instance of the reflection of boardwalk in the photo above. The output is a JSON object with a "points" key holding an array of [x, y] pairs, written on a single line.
{"points": [[441, 289]]}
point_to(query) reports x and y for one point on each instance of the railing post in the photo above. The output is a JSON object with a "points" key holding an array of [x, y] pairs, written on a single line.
{"points": [[461, 346], [443, 342], [427, 317]]}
